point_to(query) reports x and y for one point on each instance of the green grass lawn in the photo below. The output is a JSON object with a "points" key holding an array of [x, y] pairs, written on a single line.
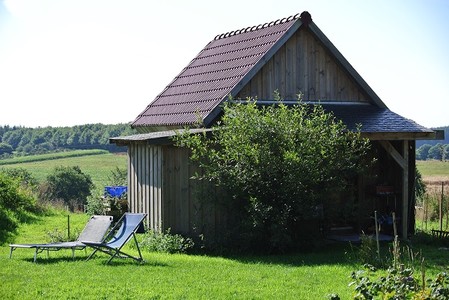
{"points": [[164, 276], [311, 275]]}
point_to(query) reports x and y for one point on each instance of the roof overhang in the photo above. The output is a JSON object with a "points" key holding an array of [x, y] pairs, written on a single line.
{"points": [[154, 138], [375, 123]]}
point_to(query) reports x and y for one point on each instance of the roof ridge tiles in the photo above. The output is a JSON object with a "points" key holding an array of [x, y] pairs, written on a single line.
{"points": [[244, 40], [256, 27]]}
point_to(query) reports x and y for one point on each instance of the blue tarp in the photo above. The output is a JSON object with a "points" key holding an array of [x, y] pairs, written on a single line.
{"points": [[115, 191]]}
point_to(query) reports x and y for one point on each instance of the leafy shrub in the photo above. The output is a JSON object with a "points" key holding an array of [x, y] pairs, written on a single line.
{"points": [[368, 254], [16, 202], [96, 204], [118, 176], [277, 163], [399, 281], [68, 184], [154, 241]]}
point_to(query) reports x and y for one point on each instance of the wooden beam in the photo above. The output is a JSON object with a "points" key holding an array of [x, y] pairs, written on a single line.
{"points": [[399, 136], [395, 154]]}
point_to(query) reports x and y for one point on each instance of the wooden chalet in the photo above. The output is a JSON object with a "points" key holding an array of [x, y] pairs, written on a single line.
{"points": [[292, 56]]}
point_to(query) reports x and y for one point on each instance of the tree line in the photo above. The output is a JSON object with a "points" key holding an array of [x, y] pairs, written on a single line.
{"points": [[434, 149], [438, 151], [18, 140]]}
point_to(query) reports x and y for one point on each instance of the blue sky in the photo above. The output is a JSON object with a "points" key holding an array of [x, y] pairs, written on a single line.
{"points": [[73, 62]]}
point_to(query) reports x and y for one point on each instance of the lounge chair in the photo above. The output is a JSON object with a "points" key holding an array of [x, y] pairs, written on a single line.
{"points": [[95, 230], [127, 227]]}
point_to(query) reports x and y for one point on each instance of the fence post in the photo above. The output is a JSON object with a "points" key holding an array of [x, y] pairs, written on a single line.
{"points": [[441, 209]]}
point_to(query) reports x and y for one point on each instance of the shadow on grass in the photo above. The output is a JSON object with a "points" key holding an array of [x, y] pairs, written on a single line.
{"points": [[422, 245], [329, 253], [98, 261], [9, 233]]}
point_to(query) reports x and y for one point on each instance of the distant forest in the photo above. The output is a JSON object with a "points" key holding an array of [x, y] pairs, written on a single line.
{"points": [[17, 140], [434, 149]]}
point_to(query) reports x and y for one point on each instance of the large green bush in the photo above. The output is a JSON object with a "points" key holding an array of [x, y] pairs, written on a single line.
{"points": [[16, 201], [69, 185], [277, 163]]}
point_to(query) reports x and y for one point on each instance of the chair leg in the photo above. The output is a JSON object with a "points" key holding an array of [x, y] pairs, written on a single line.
{"points": [[138, 249], [10, 251], [92, 254], [112, 256], [35, 254]]}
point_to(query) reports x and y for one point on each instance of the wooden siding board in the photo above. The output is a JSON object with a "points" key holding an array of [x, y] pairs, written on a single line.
{"points": [[303, 65], [159, 173], [145, 180], [290, 69], [184, 191], [344, 64], [131, 177], [167, 191]]}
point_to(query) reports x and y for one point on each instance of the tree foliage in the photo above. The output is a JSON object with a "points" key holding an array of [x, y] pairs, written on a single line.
{"points": [[25, 141], [277, 163], [69, 185], [16, 200]]}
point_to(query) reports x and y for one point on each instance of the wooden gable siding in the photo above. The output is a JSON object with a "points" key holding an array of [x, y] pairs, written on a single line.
{"points": [[302, 65], [160, 184]]}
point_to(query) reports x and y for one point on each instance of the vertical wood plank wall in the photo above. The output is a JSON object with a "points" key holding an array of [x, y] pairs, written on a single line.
{"points": [[303, 65], [145, 182], [160, 184]]}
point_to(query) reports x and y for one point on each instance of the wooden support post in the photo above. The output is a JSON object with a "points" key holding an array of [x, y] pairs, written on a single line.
{"points": [[403, 162], [405, 202]]}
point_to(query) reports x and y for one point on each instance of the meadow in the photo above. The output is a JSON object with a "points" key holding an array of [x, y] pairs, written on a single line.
{"points": [[307, 275], [98, 164], [433, 170]]}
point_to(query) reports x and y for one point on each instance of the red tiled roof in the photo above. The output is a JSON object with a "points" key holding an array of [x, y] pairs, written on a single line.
{"points": [[213, 75]]}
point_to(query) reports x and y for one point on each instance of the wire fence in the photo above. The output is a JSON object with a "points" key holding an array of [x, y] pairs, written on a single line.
{"points": [[432, 211]]}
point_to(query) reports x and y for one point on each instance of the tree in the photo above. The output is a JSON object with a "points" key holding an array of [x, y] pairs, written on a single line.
{"points": [[277, 163], [15, 201], [437, 152], [422, 152], [68, 184], [5, 148]]}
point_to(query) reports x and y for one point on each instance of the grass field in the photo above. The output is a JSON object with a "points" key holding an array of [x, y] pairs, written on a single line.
{"points": [[98, 166], [433, 170]]}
